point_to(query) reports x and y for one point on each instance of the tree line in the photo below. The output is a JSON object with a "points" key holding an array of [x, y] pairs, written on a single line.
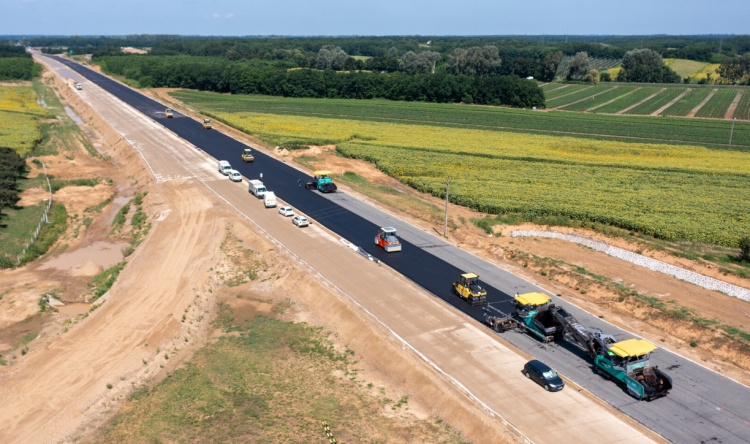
{"points": [[17, 64], [259, 77], [12, 168]]}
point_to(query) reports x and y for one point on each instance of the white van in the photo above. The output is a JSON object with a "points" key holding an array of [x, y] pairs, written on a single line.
{"points": [[224, 167], [269, 199], [256, 188]]}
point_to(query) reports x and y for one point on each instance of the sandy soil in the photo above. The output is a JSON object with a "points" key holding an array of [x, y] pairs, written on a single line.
{"points": [[730, 111]]}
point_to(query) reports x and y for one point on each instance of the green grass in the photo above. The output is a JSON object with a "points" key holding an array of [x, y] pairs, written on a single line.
{"points": [[58, 223], [570, 89], [713, 134], [622, 103], [272, 382], [582, 94], [652, 105], [102, 282], [599, 99], [685, 68], [717, 106], [19, 226], [743, 108], [686, 104]]}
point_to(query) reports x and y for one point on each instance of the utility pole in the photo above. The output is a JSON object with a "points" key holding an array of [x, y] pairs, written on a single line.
{"points": [[730, 134], [445, 226]]}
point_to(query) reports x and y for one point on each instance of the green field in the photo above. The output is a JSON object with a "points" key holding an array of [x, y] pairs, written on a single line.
{"points": [[566, 91], [743, 108], [675, 192], [717, 106], [622, 103], [657, 102], [686, 104], [582, 94], [632, 128], [599, 99]]}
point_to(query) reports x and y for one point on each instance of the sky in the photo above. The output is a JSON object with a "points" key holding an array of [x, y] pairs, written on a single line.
{"points": [[373, 17]]}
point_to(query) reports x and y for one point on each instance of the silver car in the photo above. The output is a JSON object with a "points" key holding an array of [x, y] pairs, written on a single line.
{"points": [[286, 211], [235, 176], [300, 221]]}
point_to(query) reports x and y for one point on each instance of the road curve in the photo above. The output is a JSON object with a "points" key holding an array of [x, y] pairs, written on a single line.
{"points": [[704, 406]]}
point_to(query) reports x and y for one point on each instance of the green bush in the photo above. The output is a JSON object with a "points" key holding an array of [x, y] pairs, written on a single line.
{"points": [[745, 248]]}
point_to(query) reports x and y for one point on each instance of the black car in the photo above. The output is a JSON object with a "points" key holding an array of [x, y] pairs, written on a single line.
{"points": [[543, 375]]}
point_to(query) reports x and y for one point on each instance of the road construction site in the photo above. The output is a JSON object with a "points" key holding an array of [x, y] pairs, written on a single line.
{"points": [[437, 326]]}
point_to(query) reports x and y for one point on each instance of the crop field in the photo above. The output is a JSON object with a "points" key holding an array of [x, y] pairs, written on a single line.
{"points": [[19, 114], [657, 102], [599, 99], [717, 107], [570, 98], [568, 90], [686, 104], [712, 133], [631, 99], [743, 108], [673, 192], [685, 68]]}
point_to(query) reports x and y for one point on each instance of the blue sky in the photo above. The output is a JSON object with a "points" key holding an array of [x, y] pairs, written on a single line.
{"points": [[381, 17]]}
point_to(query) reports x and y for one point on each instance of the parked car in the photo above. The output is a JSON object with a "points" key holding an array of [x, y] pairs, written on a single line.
{"points": [[300, 221], [543, 375], [286, 211], [235, 176], [225, 167]]}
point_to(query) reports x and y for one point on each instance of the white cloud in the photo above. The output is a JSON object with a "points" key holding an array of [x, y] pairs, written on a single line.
{"points": [[215, 15], [230, 15]]}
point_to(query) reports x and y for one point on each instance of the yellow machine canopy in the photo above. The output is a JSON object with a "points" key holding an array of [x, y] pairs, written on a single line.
{"points": [[632, 347], [533, 299], [322, 173]]}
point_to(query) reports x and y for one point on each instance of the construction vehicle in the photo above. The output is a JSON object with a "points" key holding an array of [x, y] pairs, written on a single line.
{"points": [[322, 182], [388, 240], [467, 287], [168, 113], [247, 155], [534, 312], [207, 124], [625, 361]]}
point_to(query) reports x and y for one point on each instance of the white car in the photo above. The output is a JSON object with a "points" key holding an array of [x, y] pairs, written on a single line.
{"points": [[300, 221], [235, 176], [286, 211]]}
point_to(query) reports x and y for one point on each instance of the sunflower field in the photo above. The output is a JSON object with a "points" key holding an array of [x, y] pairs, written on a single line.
{"points": [[19, 114]]}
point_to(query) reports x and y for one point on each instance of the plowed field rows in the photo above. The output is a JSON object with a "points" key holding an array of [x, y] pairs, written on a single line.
{"points": [[717, 107], [657, 102], [686, 104]]}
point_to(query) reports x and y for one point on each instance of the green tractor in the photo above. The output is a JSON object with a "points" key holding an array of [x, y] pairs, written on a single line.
{"points": [[467, 287]]}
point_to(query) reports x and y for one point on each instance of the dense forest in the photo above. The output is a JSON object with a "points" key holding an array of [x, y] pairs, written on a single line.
{"points": [[16, 63]]}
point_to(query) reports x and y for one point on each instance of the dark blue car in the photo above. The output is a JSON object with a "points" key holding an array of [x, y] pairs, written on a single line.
{"points": [[543, 375]]}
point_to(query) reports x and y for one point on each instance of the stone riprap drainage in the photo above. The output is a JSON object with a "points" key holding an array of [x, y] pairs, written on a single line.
{"points": [[652, 264]]}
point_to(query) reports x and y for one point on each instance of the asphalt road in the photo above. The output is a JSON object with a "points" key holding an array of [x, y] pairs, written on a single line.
{"points": [[703, 406]]}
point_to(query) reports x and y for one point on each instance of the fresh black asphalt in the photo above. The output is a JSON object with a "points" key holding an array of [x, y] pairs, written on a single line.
{"points": [[703, 406]]}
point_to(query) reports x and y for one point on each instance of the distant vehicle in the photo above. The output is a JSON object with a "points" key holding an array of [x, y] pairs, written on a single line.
{"points": [[206, 124], [168, 113], [322, 182], [256, 188], [235, 176], [467, 287], [79, 86], [225, 167], [247, 155], [388, 240], [540, 373], [269, 199], [300, 221], [286, 211]]}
